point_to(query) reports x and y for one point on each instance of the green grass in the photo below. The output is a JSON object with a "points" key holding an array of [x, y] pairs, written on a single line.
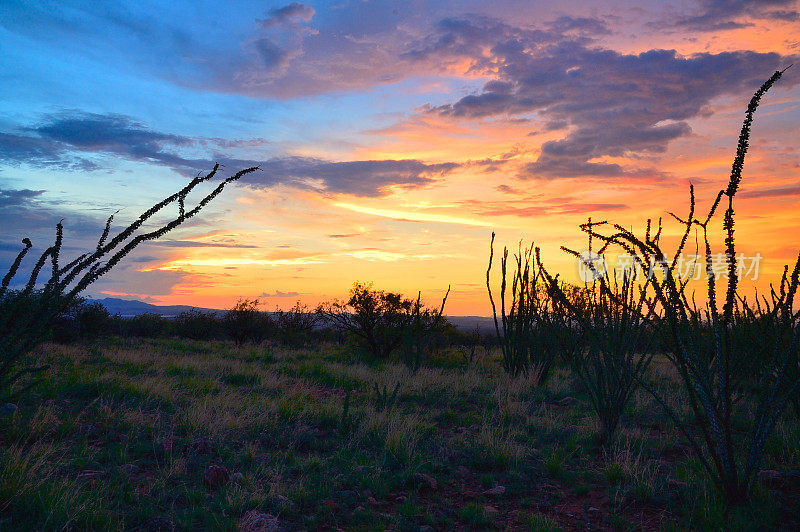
{"points": [[118, 437]]}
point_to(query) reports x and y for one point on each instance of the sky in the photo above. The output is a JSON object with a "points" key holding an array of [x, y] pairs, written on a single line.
{"points": [[393, 138]]}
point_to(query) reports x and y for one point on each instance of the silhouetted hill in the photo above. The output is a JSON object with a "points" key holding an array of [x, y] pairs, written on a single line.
{"points": [[129, 308]]}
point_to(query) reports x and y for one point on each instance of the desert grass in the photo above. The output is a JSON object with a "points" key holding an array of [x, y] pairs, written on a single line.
{"points": [[118, 437]]}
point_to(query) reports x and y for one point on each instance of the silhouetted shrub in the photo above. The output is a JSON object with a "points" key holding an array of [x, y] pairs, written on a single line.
{"points": [[295, 326], [380, 322], [198, 325], [81, 322], [425, 331], [245, 323], [147, 325]]}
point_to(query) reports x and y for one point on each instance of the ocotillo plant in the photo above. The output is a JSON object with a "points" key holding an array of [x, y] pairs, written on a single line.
{"points": [[533, 322], [721, 402], [613, 315], [422, 329], [25, 314]]}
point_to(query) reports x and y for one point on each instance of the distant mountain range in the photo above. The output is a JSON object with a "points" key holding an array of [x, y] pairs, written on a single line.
{"points": [[128, 308]]}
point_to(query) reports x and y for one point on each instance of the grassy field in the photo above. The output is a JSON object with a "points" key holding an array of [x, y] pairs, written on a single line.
{"points": [[126, 434]]}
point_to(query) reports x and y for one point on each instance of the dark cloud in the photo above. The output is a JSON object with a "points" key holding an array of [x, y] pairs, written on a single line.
{"points": [[278, 293], [592, 26], [535, 205], [117, 135], [295, 10], [615, 104], [544, 210], [773, 192], [40, 153], [360, 178], [197, 244], [271, 54], [468, 36], [716, 15], [345, 235], [10, 198], [507, 189], [65, 134], [785, 15]]}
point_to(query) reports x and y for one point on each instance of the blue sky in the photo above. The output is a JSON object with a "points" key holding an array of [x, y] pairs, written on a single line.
{"points": [[393, 137]]}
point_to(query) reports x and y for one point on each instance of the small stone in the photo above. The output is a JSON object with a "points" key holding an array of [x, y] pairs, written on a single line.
{"points": [[255, 521], [8, 409], [469, 494], [495, 491], [426, 481], [593, 509], [216, 475], [490, 510], [373, 501], [400, 498]]}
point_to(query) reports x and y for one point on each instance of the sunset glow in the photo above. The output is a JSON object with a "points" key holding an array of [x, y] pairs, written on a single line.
{"points": [[393, 139]]}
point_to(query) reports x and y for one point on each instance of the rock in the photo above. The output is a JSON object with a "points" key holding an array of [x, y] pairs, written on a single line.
{"points": [[216, 475], [199, 446], [469, 494], [400, 499], [426, 482], [159, 524], [255, 521], [373, 502], [8, 409], [495, 491], [490, 510]]}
